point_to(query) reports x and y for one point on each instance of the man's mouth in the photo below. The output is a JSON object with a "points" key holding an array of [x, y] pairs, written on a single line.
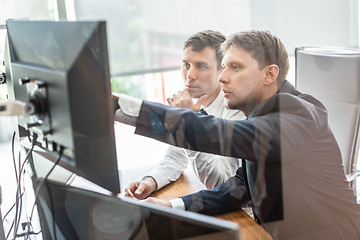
{"points": [[226, 92], [190, 87]]}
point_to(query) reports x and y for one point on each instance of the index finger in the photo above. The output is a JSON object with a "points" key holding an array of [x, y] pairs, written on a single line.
{"points": [[186, 93], [170, 101], [129, 193]]}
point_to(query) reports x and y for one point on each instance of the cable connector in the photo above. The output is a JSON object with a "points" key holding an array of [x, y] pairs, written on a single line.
{"points": [[16, 108], [2, 78]]}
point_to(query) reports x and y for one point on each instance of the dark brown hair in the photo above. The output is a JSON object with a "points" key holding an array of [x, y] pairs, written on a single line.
{"points": [[207, 38], [264, 47]]}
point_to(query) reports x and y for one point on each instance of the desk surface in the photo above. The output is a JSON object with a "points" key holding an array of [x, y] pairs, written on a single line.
{"points": [[188, 183]]}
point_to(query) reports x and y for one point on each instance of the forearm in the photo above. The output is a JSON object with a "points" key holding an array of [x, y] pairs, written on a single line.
{"points": [[128, 109], [121, 117], [212, 169], [227, 197], [191, 130], [170, 167], [185, 128]]}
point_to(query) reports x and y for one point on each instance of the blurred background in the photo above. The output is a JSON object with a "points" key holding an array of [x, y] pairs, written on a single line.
{"points": [[145, 38]]}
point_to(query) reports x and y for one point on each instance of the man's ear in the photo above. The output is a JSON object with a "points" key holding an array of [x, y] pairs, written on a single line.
{"points": [[272, 72]]}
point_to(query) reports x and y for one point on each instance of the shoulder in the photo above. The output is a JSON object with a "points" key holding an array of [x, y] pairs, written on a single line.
{"points": [[292, 109], [302, 104], [286, 102]]}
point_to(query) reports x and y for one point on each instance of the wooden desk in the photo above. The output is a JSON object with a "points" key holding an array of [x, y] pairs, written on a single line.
{"points": [[189, 183]]}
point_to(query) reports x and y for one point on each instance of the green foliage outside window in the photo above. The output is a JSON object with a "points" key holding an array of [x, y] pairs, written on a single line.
{"points": [[131, 86]]}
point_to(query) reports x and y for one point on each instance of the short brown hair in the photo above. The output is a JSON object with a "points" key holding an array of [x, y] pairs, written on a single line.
{"points": [[264, 47], [207, 38]]}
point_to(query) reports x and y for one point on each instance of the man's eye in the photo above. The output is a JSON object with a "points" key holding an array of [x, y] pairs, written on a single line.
{"points": [[235, 67], [202, 66], [186, 65]]}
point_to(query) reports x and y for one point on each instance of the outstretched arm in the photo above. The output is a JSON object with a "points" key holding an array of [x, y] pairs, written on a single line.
{"points": [[188, 129], [227, 197]]}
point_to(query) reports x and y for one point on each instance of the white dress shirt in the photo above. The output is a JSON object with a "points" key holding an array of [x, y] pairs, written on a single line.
{"points": [[212, 170]]}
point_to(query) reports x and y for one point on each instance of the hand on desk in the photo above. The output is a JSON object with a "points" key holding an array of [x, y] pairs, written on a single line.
{"points": [[141, 190], [165, 203]]}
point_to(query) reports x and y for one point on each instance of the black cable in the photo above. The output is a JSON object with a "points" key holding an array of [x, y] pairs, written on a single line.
{"points": [[16, 175], [26, 234], [7, 213], [13, 156], [18, 195], [15, 169], [15, 218], [12, 225], [18, 210], [50, 196], [16, 227], [42, 182], [30, 229], [52, 209]]}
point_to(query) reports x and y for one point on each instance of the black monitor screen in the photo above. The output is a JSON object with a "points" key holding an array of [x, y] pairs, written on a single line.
{"points": [[62, 68], [73, 213]]}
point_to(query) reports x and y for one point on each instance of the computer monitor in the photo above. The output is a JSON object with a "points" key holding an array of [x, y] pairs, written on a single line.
{"points": [[74, 213], [62, 68]]}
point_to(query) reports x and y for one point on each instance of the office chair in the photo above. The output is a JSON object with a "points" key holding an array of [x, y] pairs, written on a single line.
{"points": [[332, 75]]}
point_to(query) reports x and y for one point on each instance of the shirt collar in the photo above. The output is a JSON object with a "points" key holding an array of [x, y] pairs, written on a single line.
{"points": [[215, 108]]}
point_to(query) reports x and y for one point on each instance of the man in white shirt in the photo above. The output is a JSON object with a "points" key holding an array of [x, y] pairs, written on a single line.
{"points": [[201, 69]]}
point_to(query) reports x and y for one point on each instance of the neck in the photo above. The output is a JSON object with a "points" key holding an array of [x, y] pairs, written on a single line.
{"points": [[252, 105]]}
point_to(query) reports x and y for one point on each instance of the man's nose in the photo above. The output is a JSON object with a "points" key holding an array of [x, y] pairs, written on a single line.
{"points": [[191, 74], [224, 78]]}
